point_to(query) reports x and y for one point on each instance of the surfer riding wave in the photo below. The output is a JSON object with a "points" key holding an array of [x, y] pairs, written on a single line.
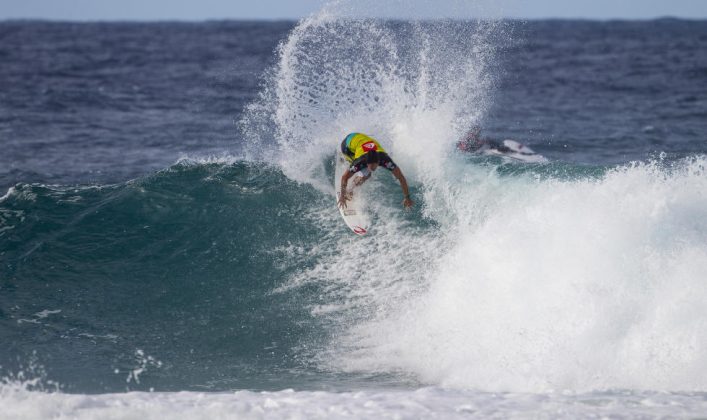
{"points": [[364, 155]]}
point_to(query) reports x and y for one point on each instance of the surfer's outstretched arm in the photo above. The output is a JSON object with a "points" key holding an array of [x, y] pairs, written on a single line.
{"points": [[398, 174], [342, 194]]}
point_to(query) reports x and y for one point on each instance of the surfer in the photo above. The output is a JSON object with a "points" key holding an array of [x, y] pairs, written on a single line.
{"points": [[473, 142], [364, 155]]}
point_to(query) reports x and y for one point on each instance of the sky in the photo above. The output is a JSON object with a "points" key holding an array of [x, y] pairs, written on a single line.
{"points": [[148, 10]]}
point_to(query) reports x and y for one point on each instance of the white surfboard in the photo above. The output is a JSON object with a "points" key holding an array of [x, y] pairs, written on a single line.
{"points": [[354, 214]]}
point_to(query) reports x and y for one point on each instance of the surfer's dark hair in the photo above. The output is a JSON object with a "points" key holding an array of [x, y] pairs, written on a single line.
{"points": [[372, 157]]}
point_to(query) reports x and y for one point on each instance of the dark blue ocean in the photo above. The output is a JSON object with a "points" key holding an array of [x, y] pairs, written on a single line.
{"points": [[168, 222]]}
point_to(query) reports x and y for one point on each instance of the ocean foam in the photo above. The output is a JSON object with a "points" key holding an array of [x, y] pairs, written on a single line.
{"points": [[585, 284], [418, 404]]}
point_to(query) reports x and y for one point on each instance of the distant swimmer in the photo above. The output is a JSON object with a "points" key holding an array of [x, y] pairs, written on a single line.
{"points": [[364, 155], [473, 143]]}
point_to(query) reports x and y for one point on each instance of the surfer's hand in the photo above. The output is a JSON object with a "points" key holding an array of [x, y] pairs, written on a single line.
{"points": [[408, 203], [342, 200]]}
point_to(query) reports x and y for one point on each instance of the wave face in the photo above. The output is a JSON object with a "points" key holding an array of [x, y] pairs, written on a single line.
{"points": [[230, 275], [170, 272]]}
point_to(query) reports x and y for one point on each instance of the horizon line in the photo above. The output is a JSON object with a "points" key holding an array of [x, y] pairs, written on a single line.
{"points": [[292, 19]]}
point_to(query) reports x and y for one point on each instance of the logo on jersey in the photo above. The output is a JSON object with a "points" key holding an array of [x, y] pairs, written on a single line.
{"points": [[369, 146], [358, 230]]}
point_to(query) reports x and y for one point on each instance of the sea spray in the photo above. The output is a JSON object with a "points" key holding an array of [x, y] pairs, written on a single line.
{"points": [[416, 86]]}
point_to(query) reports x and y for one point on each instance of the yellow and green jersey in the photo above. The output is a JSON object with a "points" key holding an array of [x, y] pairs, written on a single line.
{"points": [[359, 144], [356, 145]]}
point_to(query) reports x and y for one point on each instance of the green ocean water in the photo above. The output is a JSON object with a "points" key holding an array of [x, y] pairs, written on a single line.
{"points": [[509, 289], [180, 263]]}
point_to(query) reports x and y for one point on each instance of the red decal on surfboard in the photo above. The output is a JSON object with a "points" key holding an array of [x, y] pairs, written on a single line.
{"points": [[369, 146], [358, 230]]}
